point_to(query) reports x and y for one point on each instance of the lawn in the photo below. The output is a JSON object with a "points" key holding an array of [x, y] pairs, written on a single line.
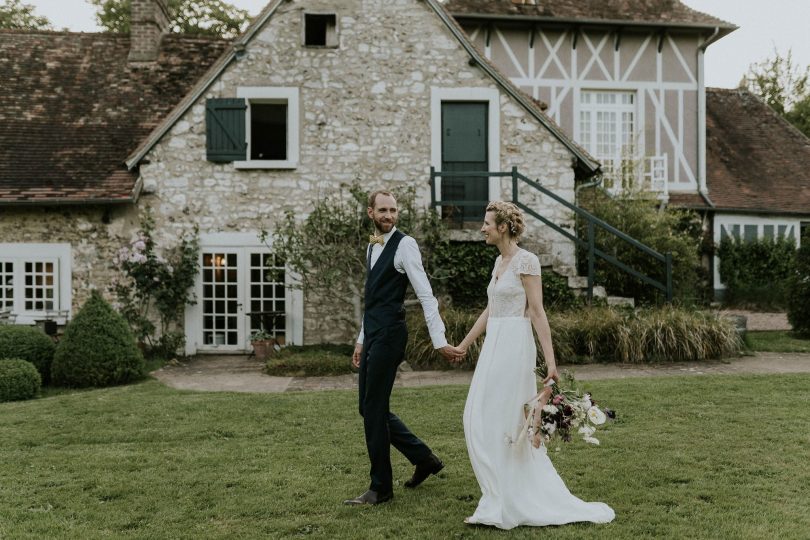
{"points": [[776, 341], [698, 457]]}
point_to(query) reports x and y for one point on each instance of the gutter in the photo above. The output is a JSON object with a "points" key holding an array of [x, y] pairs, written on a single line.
{"points": [[590, 22]]}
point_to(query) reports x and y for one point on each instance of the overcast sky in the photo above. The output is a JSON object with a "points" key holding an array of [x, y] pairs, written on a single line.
{"points": [[779, 24]]}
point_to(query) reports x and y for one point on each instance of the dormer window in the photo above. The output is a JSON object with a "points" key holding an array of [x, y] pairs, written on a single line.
{"points": [[320, 30]]}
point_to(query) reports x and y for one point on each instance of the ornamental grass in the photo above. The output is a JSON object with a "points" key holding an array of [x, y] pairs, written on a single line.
{"points": [[598, 334]]}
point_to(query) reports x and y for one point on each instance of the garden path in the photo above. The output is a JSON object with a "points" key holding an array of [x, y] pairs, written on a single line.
{"points": [[243, 374]]}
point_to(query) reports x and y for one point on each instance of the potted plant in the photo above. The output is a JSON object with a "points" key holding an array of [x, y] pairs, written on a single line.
{"points": [[263, 344]]}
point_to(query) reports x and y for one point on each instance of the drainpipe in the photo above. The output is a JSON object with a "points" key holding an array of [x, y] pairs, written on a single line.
{"points": [[701, 164]]}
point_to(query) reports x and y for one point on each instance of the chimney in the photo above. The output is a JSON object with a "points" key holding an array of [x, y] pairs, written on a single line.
{"points": [[149, 21]]}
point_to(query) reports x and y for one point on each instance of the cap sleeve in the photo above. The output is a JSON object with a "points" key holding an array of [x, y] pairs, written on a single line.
{"points": [[528, 264]]}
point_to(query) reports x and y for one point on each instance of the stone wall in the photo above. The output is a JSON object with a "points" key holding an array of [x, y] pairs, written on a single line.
{"points": [[365, 116]]}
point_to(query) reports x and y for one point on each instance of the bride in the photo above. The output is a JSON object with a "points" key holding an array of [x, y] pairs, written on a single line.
{"points": [[519, 485]]}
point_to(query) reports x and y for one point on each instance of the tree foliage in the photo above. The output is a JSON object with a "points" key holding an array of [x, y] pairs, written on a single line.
{"points": [[326, 250], [15, 15], [201, 17], [784, 86]]}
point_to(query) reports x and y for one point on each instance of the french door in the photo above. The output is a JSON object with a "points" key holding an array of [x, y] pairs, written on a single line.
{"points": [[242, 290]]}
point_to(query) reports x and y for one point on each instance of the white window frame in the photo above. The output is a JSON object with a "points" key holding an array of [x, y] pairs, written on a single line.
{"points": [[21, 253], [247, 241], [491, 96], [595, 108], [272, 94]]}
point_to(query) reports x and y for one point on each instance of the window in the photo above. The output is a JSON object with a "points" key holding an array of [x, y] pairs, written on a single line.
{"points": [[607, 130], [35, 281], [257, 130], [320, 30]]}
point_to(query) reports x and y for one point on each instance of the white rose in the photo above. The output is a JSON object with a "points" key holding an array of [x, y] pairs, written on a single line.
{"points": [[591, 440], [586, 401], [550, 409], [587, 431], [550, 428], [596, 416]]}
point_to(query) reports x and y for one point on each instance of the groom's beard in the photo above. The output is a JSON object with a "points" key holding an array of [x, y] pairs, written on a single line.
{"points": [[384, 226]]}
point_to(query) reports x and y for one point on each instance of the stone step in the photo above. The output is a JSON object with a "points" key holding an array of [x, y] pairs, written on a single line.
{"points": [[621, 301], [578, 282]]}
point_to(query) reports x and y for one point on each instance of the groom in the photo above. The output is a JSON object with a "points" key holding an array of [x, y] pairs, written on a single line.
{"points": [[392, 260]]}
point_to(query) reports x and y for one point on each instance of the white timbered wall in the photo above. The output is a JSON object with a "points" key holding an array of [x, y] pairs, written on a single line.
{"points": [[545, 64]]}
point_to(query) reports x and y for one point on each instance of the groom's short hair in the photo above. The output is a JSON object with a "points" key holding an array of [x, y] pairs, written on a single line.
{"points": [[372, 198]]}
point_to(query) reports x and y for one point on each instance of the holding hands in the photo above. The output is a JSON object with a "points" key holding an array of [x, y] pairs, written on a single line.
{"points": [[453, 354]]}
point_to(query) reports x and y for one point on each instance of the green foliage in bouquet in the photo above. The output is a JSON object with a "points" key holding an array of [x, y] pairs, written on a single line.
{"points": [[28, 343], [19, 380], [799, 298], [98, 348]]}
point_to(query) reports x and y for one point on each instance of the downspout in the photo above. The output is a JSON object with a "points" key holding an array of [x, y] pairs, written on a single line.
{"points": [[701, 164]]}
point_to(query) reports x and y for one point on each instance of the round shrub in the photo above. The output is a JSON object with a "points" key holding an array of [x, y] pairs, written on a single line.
{"points": [[799, 298], [28, 343], [98, 349], [19, 379]]}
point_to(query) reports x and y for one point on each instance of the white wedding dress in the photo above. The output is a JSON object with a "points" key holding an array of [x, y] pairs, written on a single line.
{"points": [[519, 485]]}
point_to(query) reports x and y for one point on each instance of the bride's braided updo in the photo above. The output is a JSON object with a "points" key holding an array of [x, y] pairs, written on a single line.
{"points": [[509, 213]]}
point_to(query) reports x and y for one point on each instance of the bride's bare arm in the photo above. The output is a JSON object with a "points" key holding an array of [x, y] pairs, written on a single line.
{"points": [[537, 313], [476, 330]]}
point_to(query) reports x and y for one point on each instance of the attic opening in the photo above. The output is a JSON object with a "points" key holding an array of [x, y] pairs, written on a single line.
{"points": [[320, 30]]}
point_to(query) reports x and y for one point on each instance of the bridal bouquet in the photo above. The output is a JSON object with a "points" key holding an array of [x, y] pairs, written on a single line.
{"points": [[560, 410]]}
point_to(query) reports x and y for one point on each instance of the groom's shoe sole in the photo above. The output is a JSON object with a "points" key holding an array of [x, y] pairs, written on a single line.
{"points": [[431, 466], [369, 498]]}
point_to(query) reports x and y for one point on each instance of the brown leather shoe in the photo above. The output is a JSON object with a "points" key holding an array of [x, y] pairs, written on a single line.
{"points": [[432, 465], [369, 497]]}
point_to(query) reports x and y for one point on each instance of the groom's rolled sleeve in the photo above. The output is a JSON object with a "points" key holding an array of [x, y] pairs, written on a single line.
{"points": [[408, 260]]}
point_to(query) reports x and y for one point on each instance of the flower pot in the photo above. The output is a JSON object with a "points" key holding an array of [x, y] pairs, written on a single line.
{"points": [[263, 348]]}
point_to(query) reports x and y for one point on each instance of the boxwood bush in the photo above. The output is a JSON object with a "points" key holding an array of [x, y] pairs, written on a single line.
{"points": [[19, 379], [757, 273], [98, 349], [28, 343]]}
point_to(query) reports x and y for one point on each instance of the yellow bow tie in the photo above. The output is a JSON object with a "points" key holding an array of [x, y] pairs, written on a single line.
{"points": [[374, 239]]}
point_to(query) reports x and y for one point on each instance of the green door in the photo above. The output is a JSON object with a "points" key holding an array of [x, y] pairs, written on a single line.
{"points": [[464, 148]]}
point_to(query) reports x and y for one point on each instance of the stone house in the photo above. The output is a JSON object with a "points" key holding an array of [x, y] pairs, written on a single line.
{"points": [[626, 80], [227, 136]]}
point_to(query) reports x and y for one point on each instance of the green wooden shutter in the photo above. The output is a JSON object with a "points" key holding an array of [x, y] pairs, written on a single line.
{"points": [[225, 130]]}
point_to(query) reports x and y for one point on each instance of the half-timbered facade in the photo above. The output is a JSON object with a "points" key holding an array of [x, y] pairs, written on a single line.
{"points": [[625, 79]]}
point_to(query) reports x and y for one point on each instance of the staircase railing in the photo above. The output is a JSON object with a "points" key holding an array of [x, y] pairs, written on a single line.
{"points": [[592, 221]]}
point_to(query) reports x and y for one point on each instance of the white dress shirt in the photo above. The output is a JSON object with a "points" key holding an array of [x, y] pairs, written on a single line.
{"points": [[408, 260]]}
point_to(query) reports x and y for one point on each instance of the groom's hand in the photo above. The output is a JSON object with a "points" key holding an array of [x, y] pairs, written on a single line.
{"points": [[358, 348], [451, 353]]}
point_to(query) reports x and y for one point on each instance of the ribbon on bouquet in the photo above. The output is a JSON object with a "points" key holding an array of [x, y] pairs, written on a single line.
{"points": [[533, 413]]}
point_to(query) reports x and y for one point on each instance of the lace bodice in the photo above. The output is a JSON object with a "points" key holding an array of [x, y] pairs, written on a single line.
{"points": [[506, 295]]}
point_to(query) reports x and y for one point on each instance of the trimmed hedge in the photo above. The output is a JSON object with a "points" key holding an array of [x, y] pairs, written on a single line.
{"points": [[19, 379], [799, 299], [602, 334], [757, 273], [28, 343], [98, 349]]}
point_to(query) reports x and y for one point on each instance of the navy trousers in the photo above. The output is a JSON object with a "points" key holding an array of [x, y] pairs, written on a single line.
{"points": [[382, 353]]}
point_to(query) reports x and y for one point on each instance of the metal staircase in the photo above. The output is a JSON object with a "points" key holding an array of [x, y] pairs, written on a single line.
{"points": [[592, 223]]}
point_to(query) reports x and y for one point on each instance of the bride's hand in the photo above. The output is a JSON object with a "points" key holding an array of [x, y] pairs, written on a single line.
{"points": [[552, 374]]}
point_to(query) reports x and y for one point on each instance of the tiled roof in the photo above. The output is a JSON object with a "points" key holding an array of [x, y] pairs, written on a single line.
{"points": [[755, 160], [72, 109], [657, 12]]}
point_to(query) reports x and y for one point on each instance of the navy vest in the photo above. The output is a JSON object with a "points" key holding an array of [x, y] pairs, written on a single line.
{"points": [[385, 290]]}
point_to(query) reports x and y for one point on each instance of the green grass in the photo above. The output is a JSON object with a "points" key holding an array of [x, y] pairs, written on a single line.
{"points": [[776, 341], [311, 360], [696, 457]]}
